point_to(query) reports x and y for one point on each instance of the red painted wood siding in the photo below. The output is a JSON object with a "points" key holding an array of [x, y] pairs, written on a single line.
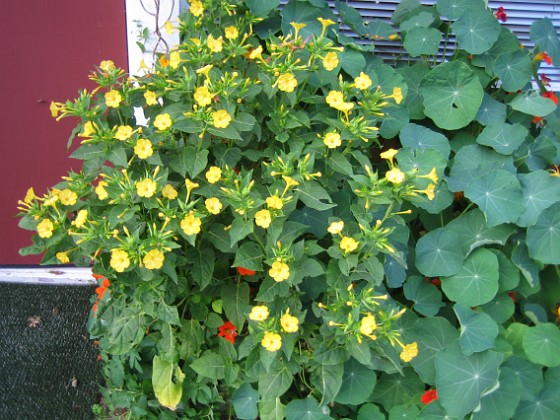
{"points": [[49, 48]]}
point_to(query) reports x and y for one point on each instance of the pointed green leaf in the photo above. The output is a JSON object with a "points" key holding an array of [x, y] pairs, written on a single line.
{"points": [[477, 281], [452, 95], [167, 381], [328, 380], [275, 383], [543, 238], [249, 256], [195, 162], [235, 300], [210, 365], [272, 409], [311, 193]]}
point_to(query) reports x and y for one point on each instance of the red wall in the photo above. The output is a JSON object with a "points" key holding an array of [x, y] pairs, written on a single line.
{"points": [[49, 48]]}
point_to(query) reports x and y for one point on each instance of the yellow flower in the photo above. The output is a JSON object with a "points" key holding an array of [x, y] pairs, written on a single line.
{"points": [[432, 176], [263, 218], [297, 27], [256, 53], [397, 95], [205, 70], [119, 260], [336, 227], [231, 32], [274, 202], [68, 197], [195, 41], [100, 190], [348, 244], [429, 191], [191, 224], [258, 313], [169, 192], [146, 188], [389, 155], [163, 121], [271, 341], [395, 175], [45, 228], [213, 174], [196, 8], [287, 82], [150, 97], [330, 61], [169, 28], [363, 81], [409, 352], [332, 140], [289, 323], [368, 325], [325, 23], [63, 257], [202, 96], [215, 45], [335, 99], [80, 219], [153, 259], [113, 98], [279, 271], [88, 130], [143, 148], [107, 65], [192, 185], [174, 59], [213, 205], [124, 132], [221, 118], [55, 108], [29, 196]]}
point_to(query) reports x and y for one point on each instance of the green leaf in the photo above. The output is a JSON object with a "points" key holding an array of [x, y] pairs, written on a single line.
{"points": [[543, 238], [461, 380], [118, 157], [210, 365], [422, 41], [530, 375], [502, 402], [395, 389], [404, 411], [528, 267], [352, 62], [357, 383], [540, 191], [240, 229], [421, 20], [195, 162], [370, 412], [426, 297], [333, 355], [306, 409], [203, 265], [311, 193], [477, 30], [127, 330], [275, 383], [395, 119], [327, 379], [417, 137], [476, 282], [227, 133], [478, 330], [438, 253], [453, 9], [338, 163], [167, 380], [501, 308], [412, 76], [544, 34], [249, 256], [304, 12], [271, 289], [532, 103], [262, 8], [491, 111], [503, 138], [514, 69], [432, 336], [546, 404], [244, 401], [541, 344], [451, 95], [235, 299], [473, 232], [498, 194], [272, 409]]}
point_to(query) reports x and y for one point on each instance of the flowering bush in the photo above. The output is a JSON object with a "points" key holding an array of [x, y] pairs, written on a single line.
{"points": [[300, 230]]}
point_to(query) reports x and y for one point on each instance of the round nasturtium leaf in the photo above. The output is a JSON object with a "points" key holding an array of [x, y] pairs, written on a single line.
{"points": [[502, 402], [244, 401], [501, 308], [396, 388], [543, 238], [422, 41], [529, 373], [504, 138], [438, 253], [452, 95], [476, 282], [543, 33], [461, 380], [307, 409], [491, 111], [542, 344], [426, 297], [498, 194], [453, 9], [417, 137], [514, 70], [476, 30], [478, 330], [540, 191], [421, 20], [412, 76], [532, 103], [357, 383]]}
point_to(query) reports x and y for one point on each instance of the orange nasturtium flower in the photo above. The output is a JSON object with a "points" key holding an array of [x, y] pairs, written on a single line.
{"points": [[245, 271], [228, 331]]}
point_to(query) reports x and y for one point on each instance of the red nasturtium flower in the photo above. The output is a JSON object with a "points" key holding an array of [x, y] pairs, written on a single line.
{"points": [[100, 291], [550, 95], [245, 271], [501, 14], [228, 331], [544, 56], [545, 79], [429, 396], [512, 296]]}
